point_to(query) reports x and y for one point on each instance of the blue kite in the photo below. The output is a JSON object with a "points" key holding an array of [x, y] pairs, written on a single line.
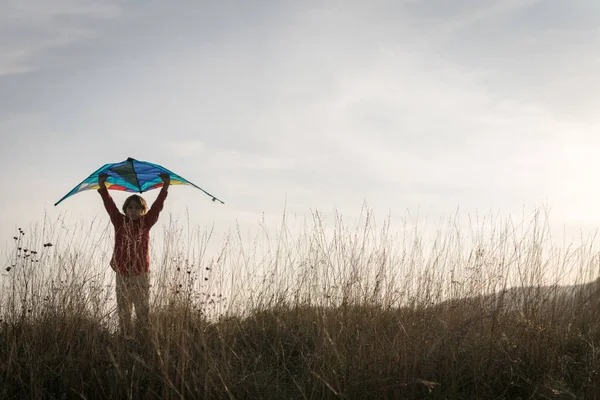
{"points": [[132, 176]]}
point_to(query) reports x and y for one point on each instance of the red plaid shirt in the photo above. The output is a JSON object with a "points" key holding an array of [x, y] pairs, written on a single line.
{"points": [[132, 238]]}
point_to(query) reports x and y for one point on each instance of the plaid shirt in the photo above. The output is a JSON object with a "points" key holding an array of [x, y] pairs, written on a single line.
{"points": [[131, 255]]}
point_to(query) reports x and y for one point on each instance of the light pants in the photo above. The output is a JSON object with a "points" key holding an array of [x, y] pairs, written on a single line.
{"points": [[133, 291]]}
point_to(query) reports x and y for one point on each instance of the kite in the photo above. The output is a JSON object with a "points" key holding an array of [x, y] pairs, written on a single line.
{"points": [[131, 176]]}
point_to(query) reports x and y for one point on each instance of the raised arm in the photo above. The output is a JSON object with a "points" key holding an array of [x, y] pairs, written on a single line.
{"points": [[109, 203], [159, 203]]}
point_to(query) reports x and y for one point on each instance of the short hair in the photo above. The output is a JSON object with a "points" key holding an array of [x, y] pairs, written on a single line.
{"points": [[139, 200]]}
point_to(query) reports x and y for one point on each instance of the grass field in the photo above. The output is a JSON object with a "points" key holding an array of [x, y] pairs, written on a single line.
{"points": [[336, 310]]}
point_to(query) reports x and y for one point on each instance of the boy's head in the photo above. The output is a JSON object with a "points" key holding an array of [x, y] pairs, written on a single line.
{"points": [[135, 206]]}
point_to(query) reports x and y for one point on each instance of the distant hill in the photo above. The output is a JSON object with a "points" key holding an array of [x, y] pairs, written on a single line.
{"points": [[529, 298]]}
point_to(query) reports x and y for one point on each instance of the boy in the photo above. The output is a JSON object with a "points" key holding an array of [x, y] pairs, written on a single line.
{"points": [[131, 256]]}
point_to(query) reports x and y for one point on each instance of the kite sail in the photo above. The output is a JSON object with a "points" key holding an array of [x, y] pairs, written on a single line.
{"points": [[131, 176]]}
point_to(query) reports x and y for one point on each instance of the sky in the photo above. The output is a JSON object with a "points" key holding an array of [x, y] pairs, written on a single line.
{"points": [[418, 107]]}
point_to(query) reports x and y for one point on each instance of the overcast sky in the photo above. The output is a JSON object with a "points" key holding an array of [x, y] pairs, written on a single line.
{"points": [[432, 105]]}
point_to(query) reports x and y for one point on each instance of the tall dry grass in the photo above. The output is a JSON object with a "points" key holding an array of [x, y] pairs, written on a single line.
{"points": [[337, 309]]}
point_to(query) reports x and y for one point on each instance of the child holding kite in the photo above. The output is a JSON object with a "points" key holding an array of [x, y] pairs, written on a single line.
{"points": [[131, 256]]}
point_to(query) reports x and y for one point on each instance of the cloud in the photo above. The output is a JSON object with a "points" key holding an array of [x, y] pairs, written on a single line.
{"points": [[456, 16], [182, 148], [539, 52], [30, 28]]}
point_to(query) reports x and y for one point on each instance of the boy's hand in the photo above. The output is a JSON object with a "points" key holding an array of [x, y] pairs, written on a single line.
{"points": [[102, 180], [166, 179]]}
